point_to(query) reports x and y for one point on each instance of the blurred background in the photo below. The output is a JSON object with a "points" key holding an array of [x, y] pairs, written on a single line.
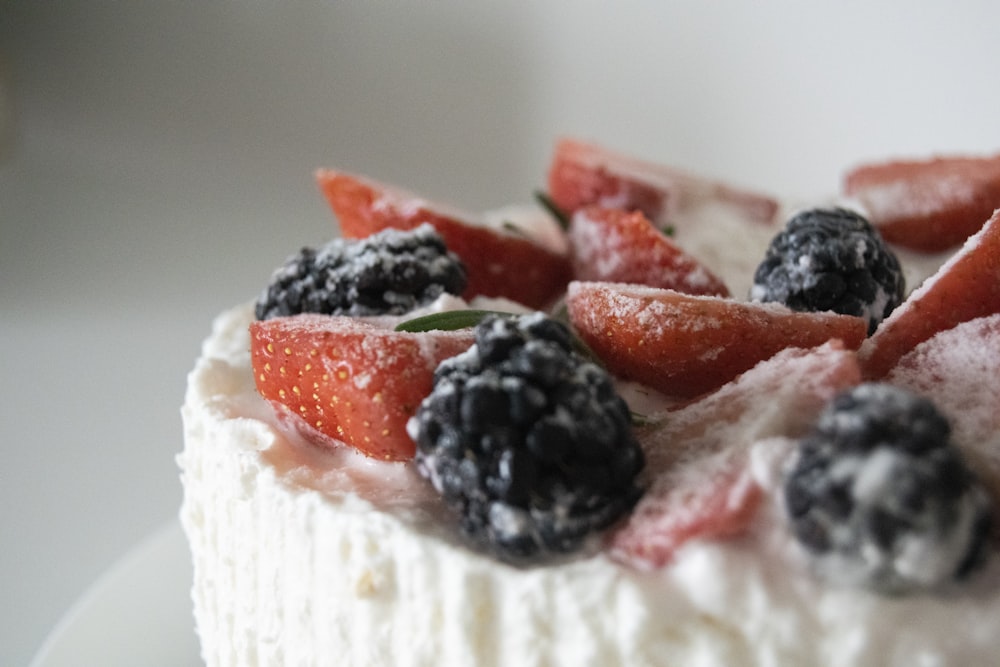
{"points": [[156, 164]]}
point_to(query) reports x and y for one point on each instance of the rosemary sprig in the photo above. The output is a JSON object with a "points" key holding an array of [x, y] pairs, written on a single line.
{"points": [[546, 202], [639, 420], [515, 229], [451, 320], [454, 320]]}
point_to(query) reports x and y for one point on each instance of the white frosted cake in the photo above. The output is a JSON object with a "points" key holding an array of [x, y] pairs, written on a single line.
{"points": [[355, 544]]}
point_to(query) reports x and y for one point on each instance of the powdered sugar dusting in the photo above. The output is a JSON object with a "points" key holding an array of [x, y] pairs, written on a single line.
{"points": [[925, 189], [778, 397], [682, 190], [959, 369], [407, 204], [966, 286], [925, 198], [595, 248], [698, 456], [625, 246], [712, 497]]}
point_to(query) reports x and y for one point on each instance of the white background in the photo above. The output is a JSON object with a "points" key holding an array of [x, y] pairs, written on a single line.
{"points": [[156, 163]]}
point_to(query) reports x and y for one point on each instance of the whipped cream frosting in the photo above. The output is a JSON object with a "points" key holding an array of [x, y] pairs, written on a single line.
{"points": [[308, 556]]}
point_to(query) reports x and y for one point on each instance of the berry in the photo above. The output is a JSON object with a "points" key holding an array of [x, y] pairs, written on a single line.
{"points": [[831, 259], [388, 273], [879, 496], [685, 345], [615, 245], [350, 380], [499, 264], [527, 441], [967, 286], [928, 205], [582, 174]]}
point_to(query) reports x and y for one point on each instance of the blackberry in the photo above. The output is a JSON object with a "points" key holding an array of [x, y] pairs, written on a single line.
{"points": [[831, 259], [527, 441], [388, 273], [880, 497]]}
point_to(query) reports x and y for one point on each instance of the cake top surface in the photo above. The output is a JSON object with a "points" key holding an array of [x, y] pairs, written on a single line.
{"points": [[739, 332]]}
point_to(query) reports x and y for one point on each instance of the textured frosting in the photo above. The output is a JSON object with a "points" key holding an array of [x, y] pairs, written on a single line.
{"points": [[311, 557]]}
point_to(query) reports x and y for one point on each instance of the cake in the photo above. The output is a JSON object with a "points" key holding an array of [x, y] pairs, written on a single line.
{"points": [[349, 533]]}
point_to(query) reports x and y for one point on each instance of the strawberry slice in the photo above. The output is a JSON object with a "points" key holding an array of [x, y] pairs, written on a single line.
{"points": [[713, 497], [498, 264], [959, 370], [349, 379], [698, 455], [583, 173], [967, 286], [610, 244], [929, 205], [685, 345], [780, 396]]}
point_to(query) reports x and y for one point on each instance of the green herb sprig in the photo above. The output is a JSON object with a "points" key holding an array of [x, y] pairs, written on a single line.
{"points": [[546, 202]]}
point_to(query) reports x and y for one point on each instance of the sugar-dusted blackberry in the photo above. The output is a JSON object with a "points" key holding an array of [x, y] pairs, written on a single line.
{"points": [[831, 259], [527, 441], [880, 497], [388, 273]]}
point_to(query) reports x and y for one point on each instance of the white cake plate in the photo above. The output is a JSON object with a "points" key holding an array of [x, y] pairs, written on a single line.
{"points": [[137, 613]]}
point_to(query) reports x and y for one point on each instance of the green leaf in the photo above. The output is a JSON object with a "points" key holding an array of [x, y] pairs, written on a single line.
{"points": [[514, 229], [454, 320], [560, 215], [451, 320]]}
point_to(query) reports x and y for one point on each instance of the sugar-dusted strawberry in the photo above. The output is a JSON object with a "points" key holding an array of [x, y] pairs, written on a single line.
{"points": [[685, 345], [779, 396], [967, 286], [698, 455], [612, 244], [349, 379], [959, 370], [928, 205], [583, 173], [712, 497], [499, 264]]}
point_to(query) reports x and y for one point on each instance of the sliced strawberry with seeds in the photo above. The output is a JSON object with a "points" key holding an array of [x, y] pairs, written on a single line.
{"points": [[583, 173], [499, 264], [616, 245], [967, 286], [684, 345], [928, 205], [349, 379], [698, 455]]}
